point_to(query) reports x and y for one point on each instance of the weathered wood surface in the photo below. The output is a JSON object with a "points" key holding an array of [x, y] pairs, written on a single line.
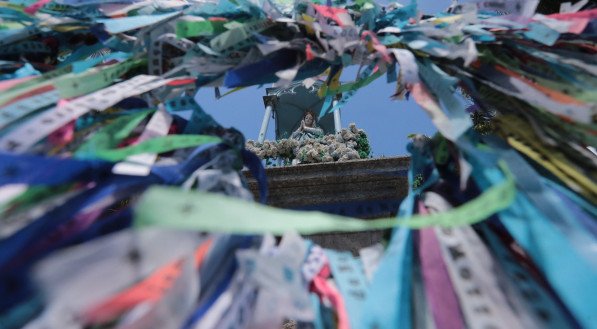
{"points": [[369, 188]]}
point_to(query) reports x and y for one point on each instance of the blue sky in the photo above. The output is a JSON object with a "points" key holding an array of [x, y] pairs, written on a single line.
{"points": [[387, 122]]}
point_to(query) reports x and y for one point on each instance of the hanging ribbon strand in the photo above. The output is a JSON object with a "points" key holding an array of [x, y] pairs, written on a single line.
{"points": [[118, 209]]}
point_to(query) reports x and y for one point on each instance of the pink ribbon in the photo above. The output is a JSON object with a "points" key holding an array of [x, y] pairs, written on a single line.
{"points": [[36, 6]]}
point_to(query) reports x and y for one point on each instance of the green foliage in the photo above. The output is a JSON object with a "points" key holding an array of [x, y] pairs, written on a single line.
{"points": [[482, 123], [363, 146]]}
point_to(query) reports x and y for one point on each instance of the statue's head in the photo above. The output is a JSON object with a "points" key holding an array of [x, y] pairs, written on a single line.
{"points": [[309, 118]]}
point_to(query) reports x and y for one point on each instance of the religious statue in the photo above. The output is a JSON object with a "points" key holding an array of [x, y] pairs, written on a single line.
{"points": [[308, 128]]}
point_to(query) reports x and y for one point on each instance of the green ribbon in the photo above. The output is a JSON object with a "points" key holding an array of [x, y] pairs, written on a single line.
{"points": [[111, 135], [73, 84], [156, 145], [187, 29], [77, 84], [175, 208]]}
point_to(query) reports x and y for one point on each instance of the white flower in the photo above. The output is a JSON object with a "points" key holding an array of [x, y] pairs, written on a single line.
{"points": [[334, 147], [353, 128]]}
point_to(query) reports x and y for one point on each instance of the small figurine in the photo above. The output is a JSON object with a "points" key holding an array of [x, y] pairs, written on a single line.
{"points": [[308, 128]]}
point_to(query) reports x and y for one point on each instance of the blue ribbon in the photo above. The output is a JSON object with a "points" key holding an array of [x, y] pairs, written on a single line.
{"points": [[572, 277], [39, 170], [388, 303]]}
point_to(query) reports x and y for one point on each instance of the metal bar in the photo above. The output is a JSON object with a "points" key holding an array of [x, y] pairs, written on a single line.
{"points": [[265, 124], [337, 123]]}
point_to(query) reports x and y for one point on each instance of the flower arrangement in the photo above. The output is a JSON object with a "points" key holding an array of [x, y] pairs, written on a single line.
{"points": [[349, 144]]}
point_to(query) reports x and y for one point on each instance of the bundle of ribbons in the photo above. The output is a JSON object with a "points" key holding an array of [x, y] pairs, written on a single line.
{"points": [[122, 204]]}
